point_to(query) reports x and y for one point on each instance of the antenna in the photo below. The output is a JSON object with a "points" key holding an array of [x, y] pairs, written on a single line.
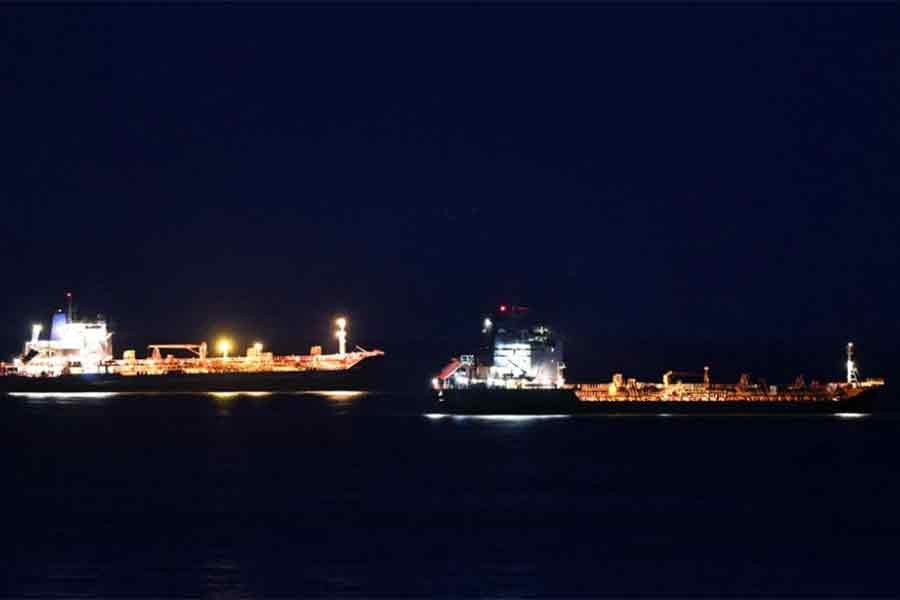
{"points": [[69, 313]]}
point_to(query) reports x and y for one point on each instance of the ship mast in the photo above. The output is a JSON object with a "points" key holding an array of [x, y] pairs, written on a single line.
{"points": [[341, 335], [852, 371]]}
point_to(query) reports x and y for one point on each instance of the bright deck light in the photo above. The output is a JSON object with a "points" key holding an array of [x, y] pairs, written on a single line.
{"points": [[224, 347]]}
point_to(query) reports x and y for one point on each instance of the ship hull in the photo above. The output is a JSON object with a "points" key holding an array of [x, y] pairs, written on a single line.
{"points": [[484, 401], [360, 377]]}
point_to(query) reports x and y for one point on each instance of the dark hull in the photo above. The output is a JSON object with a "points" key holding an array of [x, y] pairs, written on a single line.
{"points": [[361, 377], [483, 401]]}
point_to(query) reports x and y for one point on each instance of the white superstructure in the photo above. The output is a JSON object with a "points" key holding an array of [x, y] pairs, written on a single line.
{"points": [[517, 353], [74, 347]]}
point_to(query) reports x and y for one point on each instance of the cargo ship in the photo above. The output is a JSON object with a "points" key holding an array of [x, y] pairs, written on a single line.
{"points": [[519, 369], [78, 357]]}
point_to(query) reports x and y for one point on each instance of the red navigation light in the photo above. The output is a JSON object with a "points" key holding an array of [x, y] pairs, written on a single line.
{"points": [[502, 308]]}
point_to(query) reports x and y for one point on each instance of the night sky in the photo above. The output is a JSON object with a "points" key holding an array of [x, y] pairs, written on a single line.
{"points": [[668, 185]]}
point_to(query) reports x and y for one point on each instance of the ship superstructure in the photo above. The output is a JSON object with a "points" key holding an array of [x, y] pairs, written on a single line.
{"points": [[517, 352], [73, 347]]}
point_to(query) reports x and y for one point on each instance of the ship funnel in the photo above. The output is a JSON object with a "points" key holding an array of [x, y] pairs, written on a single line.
{"points": [[58, 326]]}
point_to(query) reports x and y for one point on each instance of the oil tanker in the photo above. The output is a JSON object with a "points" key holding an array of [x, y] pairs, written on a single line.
{"points": [[78, 357], [519, 369]]}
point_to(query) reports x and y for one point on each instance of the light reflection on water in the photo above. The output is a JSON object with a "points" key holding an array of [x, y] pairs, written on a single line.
{"points": [[63, 395], [225, 401], [229, 395], [63, 398], [334, 395], [338, 395], [851, 415], [512, 418]]}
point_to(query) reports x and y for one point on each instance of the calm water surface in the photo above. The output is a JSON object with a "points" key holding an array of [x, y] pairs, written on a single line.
{"points": [[234, 495]]}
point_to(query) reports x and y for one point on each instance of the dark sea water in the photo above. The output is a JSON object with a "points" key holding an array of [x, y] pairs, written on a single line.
{"points": [[364, 495]]}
